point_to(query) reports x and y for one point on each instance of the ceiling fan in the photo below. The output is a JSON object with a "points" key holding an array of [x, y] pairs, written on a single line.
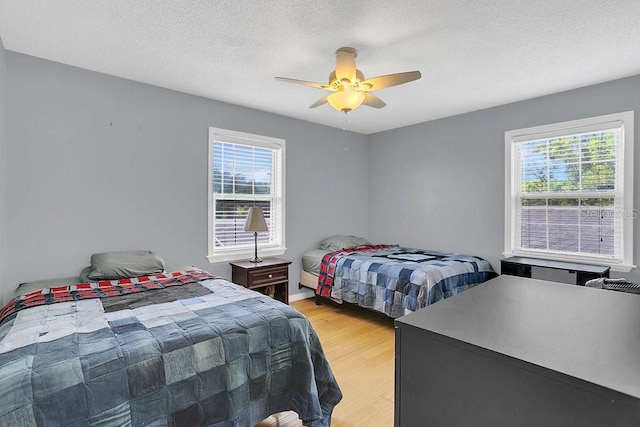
{"points": [[349, 87]]}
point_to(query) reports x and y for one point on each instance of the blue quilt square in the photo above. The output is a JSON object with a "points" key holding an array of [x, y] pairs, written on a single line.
{"points": [[192, 415], [146, 376], [216, 408], [48, 411], [406, 273], [183, 394], [403, 286], [62, 348], [170, 337], [236, 345], [100, 363], [121, 326], [145, 409], [239, 400], [374, 266], [215, 380], [107, 391]]}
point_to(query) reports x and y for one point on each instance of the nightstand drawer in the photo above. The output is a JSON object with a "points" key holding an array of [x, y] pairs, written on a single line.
{"points": [[268, 275]]}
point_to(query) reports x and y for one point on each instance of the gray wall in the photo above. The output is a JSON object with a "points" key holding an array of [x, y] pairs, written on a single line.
{"points": [[440, 184], [3, 165], [99, 163]]}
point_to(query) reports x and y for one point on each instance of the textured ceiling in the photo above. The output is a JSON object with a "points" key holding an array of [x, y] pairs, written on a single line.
{"points": [[472, 54]]}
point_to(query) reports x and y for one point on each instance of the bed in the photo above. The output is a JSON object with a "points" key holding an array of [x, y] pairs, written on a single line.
{"points": [[390, 279], [181, 348]]}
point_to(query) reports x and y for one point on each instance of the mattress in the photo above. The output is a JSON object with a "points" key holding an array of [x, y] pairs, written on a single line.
{"points": [[25, 288], [311, 260], [308, 280]]}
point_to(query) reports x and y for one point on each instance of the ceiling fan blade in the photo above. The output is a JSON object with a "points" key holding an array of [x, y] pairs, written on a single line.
{"points": [[389, 80], [319, 102], [304, 83], [346, 63], [371, 100]]}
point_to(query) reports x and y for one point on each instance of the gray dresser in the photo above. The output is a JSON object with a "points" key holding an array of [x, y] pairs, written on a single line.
{"points": [[520, 352]]}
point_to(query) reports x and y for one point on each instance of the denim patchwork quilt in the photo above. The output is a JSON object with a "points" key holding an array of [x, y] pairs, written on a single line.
{"points": [[396, 280], [202, 352]]}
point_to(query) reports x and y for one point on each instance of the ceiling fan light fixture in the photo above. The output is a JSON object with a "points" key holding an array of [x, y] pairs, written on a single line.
{"points": [[348, 85], [346, 100]]}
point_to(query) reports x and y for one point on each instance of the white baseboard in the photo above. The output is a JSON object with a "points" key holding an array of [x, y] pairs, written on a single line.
{"points": [[301, 295]]}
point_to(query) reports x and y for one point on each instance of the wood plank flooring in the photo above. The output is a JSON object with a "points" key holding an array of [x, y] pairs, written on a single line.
{"points": [[360, 347]]}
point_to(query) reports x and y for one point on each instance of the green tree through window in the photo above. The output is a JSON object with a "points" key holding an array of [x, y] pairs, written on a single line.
{"points": [[569, 192]]}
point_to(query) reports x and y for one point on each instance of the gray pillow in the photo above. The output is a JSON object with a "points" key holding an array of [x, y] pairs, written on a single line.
{"points": [[123, 264], [335, 243], [84, 274]]}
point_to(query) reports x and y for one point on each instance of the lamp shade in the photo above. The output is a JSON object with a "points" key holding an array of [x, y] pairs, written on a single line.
{"points": [[346, 100], [255, 220]]}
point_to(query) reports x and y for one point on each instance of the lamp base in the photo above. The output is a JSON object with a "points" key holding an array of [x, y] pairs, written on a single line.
{"points": [[255, 258]]}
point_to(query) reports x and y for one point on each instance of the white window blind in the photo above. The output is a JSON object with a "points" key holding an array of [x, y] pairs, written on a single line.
{"points": [[245, 171], [568, 194]]}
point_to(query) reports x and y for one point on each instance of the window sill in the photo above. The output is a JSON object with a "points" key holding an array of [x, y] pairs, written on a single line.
{"points": [[622, 268], [618, 267], [245, 254]]}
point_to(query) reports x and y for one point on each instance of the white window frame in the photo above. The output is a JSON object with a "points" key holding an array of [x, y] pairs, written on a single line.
{"points": [[278, 182], [624, 262]]}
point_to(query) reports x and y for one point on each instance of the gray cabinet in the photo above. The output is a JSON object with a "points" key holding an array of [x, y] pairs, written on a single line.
{"points": [[520, 352]]}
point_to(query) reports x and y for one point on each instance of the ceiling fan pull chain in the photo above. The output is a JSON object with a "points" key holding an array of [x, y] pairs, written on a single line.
{"points": [[344, 126]]}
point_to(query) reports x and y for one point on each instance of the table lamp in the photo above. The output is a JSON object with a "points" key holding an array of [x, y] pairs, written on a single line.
{"points": [[255, 222]]}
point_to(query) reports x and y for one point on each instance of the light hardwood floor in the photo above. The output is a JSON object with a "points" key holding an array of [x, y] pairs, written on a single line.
{"points": [[360, 347]]}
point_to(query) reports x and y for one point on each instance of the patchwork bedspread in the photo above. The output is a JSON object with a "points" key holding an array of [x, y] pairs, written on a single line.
{"points": [[396, 280], [201, 352]]}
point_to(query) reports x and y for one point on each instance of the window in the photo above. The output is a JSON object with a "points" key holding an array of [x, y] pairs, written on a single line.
{"points": [[244, 170], [569, 191]]}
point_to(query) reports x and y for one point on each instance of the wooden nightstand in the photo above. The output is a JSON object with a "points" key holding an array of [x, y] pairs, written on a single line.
{"points": [[269, 277]]}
